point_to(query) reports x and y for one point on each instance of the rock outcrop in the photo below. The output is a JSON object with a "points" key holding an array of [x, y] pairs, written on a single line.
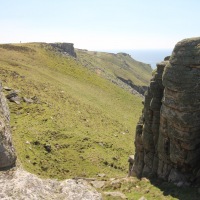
{"points": [[65, 48], [167, 141], [140, 89], [19, 184], [7, 153]]}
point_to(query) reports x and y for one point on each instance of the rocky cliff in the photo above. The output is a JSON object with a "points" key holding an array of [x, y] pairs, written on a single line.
{"points": [[7, 153], [65, 48], [167, 141]]}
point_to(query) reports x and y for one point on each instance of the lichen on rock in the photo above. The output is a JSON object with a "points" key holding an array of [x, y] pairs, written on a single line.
{"points": [[167, 137], [19, 184], [7, 152]]}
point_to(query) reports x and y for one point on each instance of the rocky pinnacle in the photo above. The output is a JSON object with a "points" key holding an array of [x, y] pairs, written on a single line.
{"points": [[167, 140]]}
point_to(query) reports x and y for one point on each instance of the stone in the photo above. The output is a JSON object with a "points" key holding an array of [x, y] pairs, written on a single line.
{"points": [[27, 100], [19, 184], [11, 95], [98, 184], [7, 152], [142, 198], [7, 88], [101, 175], [47, 147], [16, 99], [115, 184], [167, 136]]}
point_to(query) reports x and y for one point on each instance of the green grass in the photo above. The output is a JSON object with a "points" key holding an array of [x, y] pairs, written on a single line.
{"points": [[111, 66], [134, 188], [88, 121]]}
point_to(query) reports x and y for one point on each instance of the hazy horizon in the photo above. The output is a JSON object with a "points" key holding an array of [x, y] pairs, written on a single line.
{"points": [[100, 24]]}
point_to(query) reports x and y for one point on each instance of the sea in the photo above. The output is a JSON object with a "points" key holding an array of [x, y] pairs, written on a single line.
{"points": [[149, 56]]}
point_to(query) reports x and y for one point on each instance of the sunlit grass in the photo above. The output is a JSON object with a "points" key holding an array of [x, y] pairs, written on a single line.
{"points": [[86, 120]]}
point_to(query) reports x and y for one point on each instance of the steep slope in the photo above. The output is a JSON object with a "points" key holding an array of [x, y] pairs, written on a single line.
{"points": [[73, 122], [119, 68], [167, 136]]}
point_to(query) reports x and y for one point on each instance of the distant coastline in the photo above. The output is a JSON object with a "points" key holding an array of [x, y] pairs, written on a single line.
{"points": [[149, 56]]}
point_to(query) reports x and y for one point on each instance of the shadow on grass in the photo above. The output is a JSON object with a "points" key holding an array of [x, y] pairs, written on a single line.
{"points": [[182, 193]]}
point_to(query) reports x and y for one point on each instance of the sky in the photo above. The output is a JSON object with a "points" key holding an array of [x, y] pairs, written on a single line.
{"points": [[100, 24]]}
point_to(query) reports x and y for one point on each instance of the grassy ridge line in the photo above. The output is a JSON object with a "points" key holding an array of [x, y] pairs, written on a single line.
{"points": [[112, 66], [87, 121]]}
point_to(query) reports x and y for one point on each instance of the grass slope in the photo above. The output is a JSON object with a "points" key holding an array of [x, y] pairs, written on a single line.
{"points": [[86, 120], [111, 66]]}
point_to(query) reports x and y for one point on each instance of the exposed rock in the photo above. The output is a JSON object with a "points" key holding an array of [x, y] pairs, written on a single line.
{"points": [[139, 89], [116, 184], [98, 184], [47, 147], [167, 137], [65, 48], [142, 198], [101, 175], [28, 100], [16, 99], [11, 95], [18, 184], [7, 153], [7, 88], [166, 58]]}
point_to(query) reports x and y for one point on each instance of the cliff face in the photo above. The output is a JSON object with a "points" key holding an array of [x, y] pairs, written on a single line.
{"points": [[65, 48], [167, 137], [7, 153]]}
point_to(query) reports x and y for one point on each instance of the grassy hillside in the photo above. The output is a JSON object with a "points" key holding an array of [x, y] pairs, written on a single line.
{"points": [[79, 125], [115, 67]]}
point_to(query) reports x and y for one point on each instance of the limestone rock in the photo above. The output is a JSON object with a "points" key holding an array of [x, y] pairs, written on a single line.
{"points": [[167, 137], [7, 153], [98, 184], [19, 184]]}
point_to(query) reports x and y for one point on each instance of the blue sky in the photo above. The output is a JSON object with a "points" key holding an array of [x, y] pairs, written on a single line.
{"points": [[100, 24]]}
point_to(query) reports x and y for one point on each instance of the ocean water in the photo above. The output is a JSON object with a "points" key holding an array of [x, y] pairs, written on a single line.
{"points": [[150, 56]]}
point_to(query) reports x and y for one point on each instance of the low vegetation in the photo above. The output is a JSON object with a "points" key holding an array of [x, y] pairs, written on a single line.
{"points": [[79, 124], [117, 68]]}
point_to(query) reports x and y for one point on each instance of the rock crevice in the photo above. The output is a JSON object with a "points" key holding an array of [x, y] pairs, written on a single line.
{"points": [[167, 137]]}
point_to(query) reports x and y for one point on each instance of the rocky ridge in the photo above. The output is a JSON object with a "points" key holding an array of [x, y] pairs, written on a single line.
{"points": [[167, 137]]}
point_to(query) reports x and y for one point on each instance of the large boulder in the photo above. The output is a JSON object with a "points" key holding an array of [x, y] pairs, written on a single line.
{"points": [[7, 152], [168, 140]]}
